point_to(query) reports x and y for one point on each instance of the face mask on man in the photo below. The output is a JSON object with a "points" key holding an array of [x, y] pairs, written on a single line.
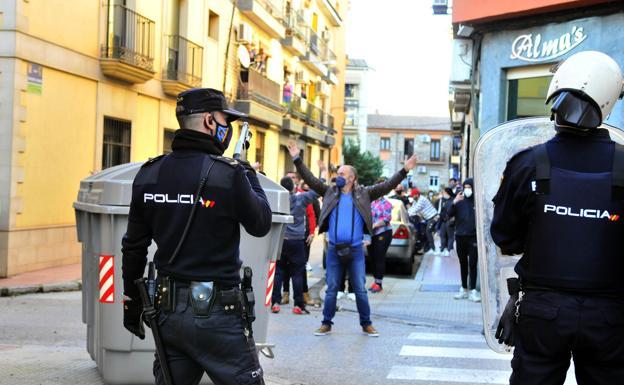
{"points": [[340, 181], [467, 192], [224, 133]]}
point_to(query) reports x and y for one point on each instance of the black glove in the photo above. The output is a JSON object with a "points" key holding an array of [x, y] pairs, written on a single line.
{"points": [[247, 166], [505, 332], [133, 317]]}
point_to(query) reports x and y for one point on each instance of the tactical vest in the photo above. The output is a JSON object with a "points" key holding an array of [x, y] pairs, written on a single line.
{"points": [[577, 229]]}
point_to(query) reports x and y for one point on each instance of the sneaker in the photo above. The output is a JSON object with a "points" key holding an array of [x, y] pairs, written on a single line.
{"points": [[300, 310], [323, 330], [436, 252], [340, 295], [474, 296], [375, 288], [307, 300], [285, 299], [275, 308], [463, 294], [446, 253], [370, 331], [351, 296], [308, 267]]}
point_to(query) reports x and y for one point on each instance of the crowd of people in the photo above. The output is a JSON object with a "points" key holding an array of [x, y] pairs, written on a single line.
{"points": [[356, 217]]}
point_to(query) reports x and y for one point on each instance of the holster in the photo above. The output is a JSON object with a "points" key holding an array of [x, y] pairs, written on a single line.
{"points": [[202, 297]]}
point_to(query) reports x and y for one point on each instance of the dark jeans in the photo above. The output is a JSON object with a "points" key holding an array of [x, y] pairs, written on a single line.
{"points": [[215, 345], [468, 257], [291, 263], [357, 274], [305, 275], [554, 326], [431, 229], [447, 236], [377, 251]]}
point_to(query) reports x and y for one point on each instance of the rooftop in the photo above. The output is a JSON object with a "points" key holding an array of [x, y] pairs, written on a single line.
{"points": [[409, 122], [357, 63]]}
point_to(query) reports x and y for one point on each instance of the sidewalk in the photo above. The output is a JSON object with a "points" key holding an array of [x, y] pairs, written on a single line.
{"points": [[427, 298], [64, 278]]}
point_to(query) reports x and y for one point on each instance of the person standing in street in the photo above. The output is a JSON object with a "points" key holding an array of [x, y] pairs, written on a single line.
{"points": [[199, 301], [447, 223], [381, 211], [423, 208], [463, 210], [293, 258], [346, 216], [559, 205]]}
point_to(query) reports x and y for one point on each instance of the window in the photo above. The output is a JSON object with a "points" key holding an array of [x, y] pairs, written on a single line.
{"points": [[213, 25], [260, 137], [408, 148], [434, 182], [527, 96], [308, 156], [116, 149], [167, 140], [351, 91], [351, 114], [435, 150], [457, 145], [385, 144]]}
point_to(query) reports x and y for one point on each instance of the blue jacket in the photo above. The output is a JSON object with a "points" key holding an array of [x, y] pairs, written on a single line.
{"points": [[298, 204]]}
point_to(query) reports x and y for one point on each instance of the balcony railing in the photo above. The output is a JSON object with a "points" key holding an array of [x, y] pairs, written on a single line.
{"points": [[274, 7], [184, 61], [130, 38], [298, 107], [257, 87], [311, 114], [318, 46], [294, 22]]}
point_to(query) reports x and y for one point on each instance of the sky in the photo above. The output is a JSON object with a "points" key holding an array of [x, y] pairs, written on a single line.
{"points": [[410, 51]]}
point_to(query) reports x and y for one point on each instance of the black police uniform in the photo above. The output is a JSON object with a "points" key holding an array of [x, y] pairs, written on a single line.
{"points": [[218, 343], [558, 203]]}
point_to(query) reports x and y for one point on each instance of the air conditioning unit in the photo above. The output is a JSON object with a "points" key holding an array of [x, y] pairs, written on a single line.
{"points": [[300, 77], [425, 139], [245, 34], [422, 169]]}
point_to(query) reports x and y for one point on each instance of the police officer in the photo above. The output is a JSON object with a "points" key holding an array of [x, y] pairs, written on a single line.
{"points": [[199, 317], [559, 204]]}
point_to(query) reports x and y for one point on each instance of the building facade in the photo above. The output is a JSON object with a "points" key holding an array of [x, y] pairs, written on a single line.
{"points": [[86, 85], [395, 138], [356, 99], [512, 48]]}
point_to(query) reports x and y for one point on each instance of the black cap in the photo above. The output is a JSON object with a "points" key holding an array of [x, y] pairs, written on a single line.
{"points": [[197, 100]]}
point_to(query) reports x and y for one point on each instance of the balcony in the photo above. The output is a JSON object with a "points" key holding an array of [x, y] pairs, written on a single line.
{"points": [[268, 14], [318, 118], [259, 97], [298, 115], [328, 8], [128, 53], [184, 65], [317, 53], [295, 40]]}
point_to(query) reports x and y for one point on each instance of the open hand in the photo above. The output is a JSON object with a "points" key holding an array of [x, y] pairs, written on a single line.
{"points": [[411, 163], [321, 165], [293, 149]]}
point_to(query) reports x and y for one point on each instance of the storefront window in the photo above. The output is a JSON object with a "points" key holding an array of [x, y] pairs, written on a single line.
{"points": [[526, 97]]}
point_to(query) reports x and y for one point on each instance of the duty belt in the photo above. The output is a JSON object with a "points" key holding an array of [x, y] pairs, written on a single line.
{"points": [[203, 295]]}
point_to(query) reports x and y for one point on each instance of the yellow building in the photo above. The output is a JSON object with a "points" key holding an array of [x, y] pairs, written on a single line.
{"points": [[86, 85]]}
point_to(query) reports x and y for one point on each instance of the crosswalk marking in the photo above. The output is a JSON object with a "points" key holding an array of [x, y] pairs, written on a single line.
{"points": [[447, 337], [423, 373], [431, 351]]}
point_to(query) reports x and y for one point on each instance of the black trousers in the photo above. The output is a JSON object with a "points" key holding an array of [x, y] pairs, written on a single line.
{"points": [[292, 264], [555, 326], [447, 236], [468, 257], [286, 284], [215, 345], [377, 251], [431, 229]]}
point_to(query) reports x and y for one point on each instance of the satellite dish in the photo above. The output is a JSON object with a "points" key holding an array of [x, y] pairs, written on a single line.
{"points": [[243, 56]]}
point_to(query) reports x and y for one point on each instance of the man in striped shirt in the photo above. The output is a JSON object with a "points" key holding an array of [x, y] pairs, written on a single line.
{"points": [[424, 209]]}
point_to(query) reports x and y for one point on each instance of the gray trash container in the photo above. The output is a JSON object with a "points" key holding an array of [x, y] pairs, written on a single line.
{"points": [[101, 220]]}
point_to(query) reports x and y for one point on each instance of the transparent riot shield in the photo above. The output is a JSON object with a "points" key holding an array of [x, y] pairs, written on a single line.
{"points": [[491, 154]]}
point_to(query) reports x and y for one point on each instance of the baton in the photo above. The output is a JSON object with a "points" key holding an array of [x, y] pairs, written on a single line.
{"points": [[149, 312]]}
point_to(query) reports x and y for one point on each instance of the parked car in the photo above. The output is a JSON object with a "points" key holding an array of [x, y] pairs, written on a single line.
{"points": [[403, 246]]}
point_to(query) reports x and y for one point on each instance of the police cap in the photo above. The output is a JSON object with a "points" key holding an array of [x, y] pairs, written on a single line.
{"points": [[197, 100]]}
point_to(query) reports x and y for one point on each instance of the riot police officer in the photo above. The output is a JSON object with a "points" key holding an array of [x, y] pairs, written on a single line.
{"points": [[559, 205], [198, 295]]}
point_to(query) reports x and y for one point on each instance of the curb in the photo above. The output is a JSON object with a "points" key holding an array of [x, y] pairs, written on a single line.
{"points": [[12, 291]]}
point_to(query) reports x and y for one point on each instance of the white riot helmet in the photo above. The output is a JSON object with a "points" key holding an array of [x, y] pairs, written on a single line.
{"points": [[591, 75]]}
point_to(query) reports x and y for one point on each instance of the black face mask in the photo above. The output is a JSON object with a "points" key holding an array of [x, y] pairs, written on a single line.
{"points": [[575, 113], [224, 134]]}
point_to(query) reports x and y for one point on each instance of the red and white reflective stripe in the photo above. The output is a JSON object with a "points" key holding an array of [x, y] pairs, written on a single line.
{"points": [[269, 288], [107, 279]]}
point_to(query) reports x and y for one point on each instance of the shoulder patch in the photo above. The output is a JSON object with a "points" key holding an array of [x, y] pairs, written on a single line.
{"points": [[229, 161], [153, 160]]}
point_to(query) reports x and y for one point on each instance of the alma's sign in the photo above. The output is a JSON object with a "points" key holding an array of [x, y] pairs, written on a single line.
{"points": [[534, 48]]}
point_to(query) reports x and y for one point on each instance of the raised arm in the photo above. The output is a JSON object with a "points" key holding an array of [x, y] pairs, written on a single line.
{"points": [[382, 189], [312, 181]]}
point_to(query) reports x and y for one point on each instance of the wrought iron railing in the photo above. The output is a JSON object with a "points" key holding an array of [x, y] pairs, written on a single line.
{"points": [[319, 118], [130, 37], [184, 61], [274, 7], [318, 46], [298, 107], [255, 86], [294, 23]]}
